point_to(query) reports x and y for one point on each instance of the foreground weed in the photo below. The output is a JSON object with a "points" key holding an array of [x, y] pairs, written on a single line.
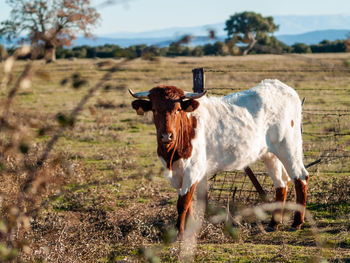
{"points": [[28, 172]]}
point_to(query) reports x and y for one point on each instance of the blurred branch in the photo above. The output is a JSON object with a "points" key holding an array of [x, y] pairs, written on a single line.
{"points": [[19, 210], [186, 39], [211, 34], [21, 81]]}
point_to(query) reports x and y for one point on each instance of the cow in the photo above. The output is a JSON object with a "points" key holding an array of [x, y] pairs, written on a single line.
{"points": [[199, 135]]}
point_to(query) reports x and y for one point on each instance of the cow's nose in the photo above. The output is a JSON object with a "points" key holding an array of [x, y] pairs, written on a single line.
{"points": [[167, 137]]}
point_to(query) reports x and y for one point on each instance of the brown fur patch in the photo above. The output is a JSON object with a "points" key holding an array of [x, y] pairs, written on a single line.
{"points": [[301, 194], [184, 209], [281, 195], [170, 118]]}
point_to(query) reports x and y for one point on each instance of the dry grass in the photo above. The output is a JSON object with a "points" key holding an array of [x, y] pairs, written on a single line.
{"points": [[108, 200]]}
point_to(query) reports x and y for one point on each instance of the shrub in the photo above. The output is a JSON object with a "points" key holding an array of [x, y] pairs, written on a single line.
{"points": [[301, 48]]}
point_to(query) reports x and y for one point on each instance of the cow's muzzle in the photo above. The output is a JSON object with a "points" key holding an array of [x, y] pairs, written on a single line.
{"points": [[167, 137]]}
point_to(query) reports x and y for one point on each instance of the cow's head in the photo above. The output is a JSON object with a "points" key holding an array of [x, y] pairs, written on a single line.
{"points": [[169, 106]]}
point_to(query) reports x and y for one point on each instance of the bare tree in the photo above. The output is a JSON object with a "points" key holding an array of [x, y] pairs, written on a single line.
{"points": [[50, 23]]}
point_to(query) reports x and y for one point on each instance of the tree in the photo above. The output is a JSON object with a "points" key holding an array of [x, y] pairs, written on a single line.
{"points": [[248, 28], [301, 48], [329, 46], [49, 23], [218, 49], [3, 53], [271, 45]]}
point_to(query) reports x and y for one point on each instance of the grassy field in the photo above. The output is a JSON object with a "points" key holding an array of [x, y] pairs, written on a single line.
{"points": [[107, 200]]}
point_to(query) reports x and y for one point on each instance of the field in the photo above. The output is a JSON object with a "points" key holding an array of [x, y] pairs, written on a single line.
{"points": [[107, 200]]}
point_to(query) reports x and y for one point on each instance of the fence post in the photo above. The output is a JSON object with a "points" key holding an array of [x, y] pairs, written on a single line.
{"points": [[198, 80], [256, 183], [202, 189]]}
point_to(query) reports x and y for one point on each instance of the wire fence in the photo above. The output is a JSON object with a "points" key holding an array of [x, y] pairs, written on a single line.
{"points": [[326, 143]]}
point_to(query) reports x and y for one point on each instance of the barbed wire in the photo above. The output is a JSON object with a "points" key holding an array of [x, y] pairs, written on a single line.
{"points": [[240, 70], [238, 187]]}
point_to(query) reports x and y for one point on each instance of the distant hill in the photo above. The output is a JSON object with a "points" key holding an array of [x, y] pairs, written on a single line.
{"points": [[304, 29], [303, 24], [126, 42], [314, 37], [287, 25], [123, 42], [172, 32], [309, 38]]}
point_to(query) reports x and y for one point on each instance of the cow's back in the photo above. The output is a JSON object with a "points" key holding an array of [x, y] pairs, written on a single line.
{"points": [[236, 129]]}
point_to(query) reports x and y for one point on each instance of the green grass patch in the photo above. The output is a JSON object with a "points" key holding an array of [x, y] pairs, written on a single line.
{"points": [[329, 211]]}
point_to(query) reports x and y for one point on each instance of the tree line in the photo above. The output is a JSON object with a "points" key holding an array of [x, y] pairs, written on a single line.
{"points": [[215, 49], [173, 50]]}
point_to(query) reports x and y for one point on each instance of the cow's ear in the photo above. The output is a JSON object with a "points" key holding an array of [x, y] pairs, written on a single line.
{"points": [[141, 106], [189, 105]]}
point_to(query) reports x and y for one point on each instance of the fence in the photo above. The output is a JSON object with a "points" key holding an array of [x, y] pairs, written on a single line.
{"points": [[329, 160], [326, 143]]}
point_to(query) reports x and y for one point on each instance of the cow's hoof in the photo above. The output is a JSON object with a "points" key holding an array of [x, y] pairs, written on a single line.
{"points": [[294, 228], [270, 229], [186, 236], [180, 236], [297, 226]]}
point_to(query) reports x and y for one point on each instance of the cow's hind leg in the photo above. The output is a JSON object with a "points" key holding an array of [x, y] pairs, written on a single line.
{"points": [[301, 193], [290, 154], [280, 180], [184, 209]]}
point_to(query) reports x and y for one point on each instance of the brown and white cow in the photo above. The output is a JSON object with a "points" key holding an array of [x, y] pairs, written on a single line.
{"points": [[198, 136]]}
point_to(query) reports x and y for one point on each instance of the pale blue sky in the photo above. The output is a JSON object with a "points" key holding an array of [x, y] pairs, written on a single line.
{"points": [[144, 15]]}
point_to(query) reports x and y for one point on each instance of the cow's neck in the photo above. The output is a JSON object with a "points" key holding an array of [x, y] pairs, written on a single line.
{"points": [[182, 148]]}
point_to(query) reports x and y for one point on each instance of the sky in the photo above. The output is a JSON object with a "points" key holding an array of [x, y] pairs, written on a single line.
{"points": [[147, 15]]}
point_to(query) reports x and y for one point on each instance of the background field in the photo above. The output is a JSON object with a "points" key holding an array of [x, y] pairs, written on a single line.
{"points": [[112, 203]]}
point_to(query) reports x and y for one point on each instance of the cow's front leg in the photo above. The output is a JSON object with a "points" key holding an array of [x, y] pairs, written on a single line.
{"points": [[184, 207], [301, 193], [189, 215]]}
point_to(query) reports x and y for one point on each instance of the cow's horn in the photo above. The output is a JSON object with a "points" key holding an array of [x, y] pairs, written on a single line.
{"points": [[189, 95], [139, 95]]}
